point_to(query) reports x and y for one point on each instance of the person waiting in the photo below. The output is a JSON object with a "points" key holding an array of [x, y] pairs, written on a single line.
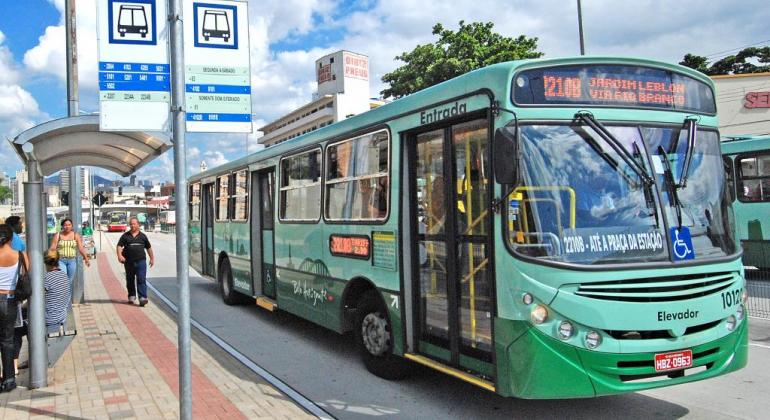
{"points": [[57, 294]]}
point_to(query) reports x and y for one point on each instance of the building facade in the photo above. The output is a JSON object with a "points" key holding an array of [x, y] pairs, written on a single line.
{"points": [[343, 91], [743, 103], [17, 187]]}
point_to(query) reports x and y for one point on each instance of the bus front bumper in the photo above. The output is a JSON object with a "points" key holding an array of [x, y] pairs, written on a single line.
{"points": [[535, 365]]}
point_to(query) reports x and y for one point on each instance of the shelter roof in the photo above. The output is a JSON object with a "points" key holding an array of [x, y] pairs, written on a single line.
{"points": [[77, 141]]}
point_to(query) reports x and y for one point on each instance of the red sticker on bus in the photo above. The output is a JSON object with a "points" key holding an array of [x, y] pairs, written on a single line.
{"points": [[673, 361]]}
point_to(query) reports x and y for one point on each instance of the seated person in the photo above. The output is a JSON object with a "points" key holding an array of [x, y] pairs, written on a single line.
{"points": [[57, 294]]}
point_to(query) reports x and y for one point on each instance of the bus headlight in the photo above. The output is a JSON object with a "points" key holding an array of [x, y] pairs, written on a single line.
{"points": [[539, 314], [740, 312], [593, 339], [566, 330], [730, 324]]}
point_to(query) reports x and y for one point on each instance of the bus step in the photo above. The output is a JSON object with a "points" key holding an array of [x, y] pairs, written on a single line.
{"points": [[267, 303], [467, 377]]}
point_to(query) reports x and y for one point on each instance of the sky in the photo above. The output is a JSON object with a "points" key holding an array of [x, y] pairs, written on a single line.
{"points": [[287, 36]]}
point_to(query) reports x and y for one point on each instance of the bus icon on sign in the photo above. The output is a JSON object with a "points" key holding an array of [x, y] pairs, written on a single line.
{"points": [[215, 25], [132, 21]]}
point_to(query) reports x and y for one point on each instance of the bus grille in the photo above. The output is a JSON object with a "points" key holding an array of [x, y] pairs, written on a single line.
{"points": [[660, 289], [643, 370]]}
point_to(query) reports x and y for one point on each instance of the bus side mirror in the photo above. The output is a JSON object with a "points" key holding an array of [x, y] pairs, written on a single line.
{"points": [[505, 152]]}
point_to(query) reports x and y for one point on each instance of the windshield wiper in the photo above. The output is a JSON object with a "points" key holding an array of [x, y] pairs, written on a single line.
{"points": [[673, 187], [588, 119], [692, 132]]}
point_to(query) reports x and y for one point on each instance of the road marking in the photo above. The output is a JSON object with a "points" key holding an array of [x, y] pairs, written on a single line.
{"points": [[290, 392], [759, 345]]}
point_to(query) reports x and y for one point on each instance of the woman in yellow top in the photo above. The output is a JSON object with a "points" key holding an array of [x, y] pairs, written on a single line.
{"points": [[68, 244]]}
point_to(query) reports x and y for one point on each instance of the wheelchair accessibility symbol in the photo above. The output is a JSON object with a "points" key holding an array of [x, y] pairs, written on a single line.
{"points": [[681, 244]]}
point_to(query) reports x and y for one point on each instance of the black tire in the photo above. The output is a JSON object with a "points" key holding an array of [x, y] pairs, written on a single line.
{"points": [[374, 341], [229, 295]]}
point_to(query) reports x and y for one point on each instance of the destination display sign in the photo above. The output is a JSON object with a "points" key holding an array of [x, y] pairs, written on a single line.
{"points": [[134, 73], [353, 246], [613, 85], [217, 74]]}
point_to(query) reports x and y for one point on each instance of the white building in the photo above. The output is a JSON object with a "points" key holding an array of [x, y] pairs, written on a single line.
{"points": [[343, 91], [743, 103], [17, 187], [85, 181]]}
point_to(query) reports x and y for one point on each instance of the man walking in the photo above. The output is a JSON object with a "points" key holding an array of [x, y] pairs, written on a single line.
{"points": [[17, 244], [131, 248]]}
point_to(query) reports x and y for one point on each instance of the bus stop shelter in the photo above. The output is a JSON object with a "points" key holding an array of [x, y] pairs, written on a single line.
{"points": [[46, 149]]}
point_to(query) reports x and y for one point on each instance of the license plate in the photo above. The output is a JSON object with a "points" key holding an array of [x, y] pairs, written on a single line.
{"points": [[673, 361]]}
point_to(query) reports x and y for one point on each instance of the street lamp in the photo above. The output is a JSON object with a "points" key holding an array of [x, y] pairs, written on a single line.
{"points": [[580, 28]]}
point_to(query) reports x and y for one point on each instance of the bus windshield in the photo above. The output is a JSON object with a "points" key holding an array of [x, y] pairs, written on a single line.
{"points": [[118, 218], [580, 201]]}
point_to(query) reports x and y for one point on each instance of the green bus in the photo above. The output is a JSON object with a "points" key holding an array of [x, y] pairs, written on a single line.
{"points": [[747, 163], [542, 229]]}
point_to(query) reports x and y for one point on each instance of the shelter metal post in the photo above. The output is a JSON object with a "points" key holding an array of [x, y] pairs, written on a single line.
{"points": [[44, 216], [180, 187], [38, 351], [76, 213]]}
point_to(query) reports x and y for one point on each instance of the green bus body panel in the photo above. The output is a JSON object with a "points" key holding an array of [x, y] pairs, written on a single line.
{"points": [[530, 361], [196, 250], [268, 266], [531, 364], [752, 224]]}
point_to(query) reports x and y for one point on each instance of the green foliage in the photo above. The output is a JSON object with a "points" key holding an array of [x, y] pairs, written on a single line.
{"points": [[732, 64], [472, 46], [5, 193]]}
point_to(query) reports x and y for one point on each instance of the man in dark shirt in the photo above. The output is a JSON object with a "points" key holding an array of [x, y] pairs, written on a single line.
{"points": [[131, 249]]}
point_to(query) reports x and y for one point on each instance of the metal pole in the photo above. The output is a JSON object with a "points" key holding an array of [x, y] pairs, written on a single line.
{"points": [[75, 209], [580, 28], [38, 351], [180, 182]]}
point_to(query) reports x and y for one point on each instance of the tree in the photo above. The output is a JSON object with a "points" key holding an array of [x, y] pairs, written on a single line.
{"points": [[5, 193], [732, 64], [472, 46]]}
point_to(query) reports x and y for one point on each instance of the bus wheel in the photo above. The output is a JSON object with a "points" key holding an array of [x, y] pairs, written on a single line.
{"points": [[374, 339], [229, 295]]}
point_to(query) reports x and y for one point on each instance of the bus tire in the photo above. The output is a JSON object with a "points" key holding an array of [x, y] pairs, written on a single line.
{"points": [[374, 341], [229, 295]]}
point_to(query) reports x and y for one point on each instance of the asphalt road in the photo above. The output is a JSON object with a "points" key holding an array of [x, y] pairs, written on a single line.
{"points": [[324, 367]]}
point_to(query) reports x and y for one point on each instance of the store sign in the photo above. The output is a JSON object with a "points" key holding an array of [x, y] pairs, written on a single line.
{"points": [[757, 100], [217, 75], [134, 76], [356, 67]]}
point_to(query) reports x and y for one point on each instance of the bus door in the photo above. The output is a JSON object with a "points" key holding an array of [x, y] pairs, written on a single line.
{"points": [[207, 236], [262, 259], [451, 222]]}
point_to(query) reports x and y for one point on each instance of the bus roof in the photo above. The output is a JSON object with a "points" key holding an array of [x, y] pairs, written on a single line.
{"points": [[473, 81], [732, 145]]}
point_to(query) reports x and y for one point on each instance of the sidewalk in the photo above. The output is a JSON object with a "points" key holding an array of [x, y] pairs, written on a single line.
{"points": [[123, 364]]}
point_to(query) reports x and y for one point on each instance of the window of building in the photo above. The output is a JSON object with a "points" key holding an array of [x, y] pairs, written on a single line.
{"points": [[223, 197], [301, 187], [753, 177], [357, 183], [240, 203], [195, 200]]}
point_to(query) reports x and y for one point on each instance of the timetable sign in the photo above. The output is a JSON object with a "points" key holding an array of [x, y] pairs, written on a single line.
{"points": [[217, 69], [134, 73]]}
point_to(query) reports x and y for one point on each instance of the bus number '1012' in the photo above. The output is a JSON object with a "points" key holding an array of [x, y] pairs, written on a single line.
{"points": [[730, 299]]}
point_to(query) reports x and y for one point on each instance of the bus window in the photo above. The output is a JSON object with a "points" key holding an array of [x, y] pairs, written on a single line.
{"points": [[753, 177], [729, 177], [301, 187], [195, 199], [223, 197], [240, 203], [357, 178]]}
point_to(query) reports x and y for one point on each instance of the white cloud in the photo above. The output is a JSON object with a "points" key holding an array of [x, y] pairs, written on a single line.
{"points": [[18, 109], [48, 57]]}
